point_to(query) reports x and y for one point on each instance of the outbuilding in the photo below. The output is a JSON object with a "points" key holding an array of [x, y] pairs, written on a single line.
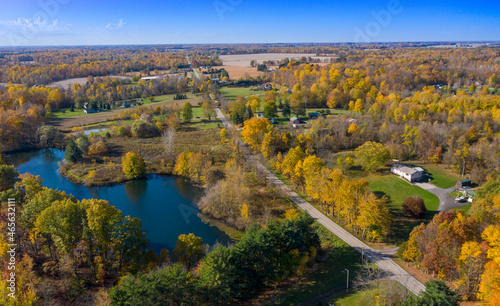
{"points": [[464, 183]]}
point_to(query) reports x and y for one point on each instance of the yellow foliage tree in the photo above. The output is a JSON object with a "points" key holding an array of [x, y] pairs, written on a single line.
{"points": [[292, 214], [244, 211], [133, 165], [254, 129]]}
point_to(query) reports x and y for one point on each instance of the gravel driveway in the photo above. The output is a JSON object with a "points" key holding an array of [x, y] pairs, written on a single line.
{"points": [[446, 202]]}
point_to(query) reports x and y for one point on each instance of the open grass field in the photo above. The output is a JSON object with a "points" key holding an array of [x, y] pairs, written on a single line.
{"points": [[362, 297], [398, 190], [64, 122], [231, 93]]}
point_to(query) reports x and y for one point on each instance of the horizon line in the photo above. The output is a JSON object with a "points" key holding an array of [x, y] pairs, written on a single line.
{"points": [[254, 43]]}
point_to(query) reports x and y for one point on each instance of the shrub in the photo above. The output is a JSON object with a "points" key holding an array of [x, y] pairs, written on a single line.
{"points": [[414, 207], [141, 129], [99, 148]]}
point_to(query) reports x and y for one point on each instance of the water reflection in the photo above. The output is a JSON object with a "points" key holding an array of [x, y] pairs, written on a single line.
{"points": [[165, 205]]}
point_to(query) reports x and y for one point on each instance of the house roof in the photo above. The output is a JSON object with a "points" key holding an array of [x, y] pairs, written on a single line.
{"points": [[465, 181], [407, 170], [293, 118]]}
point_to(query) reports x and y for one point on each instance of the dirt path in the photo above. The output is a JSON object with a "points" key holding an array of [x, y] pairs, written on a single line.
{"points": [[382, 260], [68, 123]]}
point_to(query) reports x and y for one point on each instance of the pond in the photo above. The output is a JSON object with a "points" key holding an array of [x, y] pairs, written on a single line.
{"points": [[165, 205], [88, 132]]}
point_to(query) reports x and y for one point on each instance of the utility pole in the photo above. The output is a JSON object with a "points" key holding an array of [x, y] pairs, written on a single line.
{"points": [[347, 287]]}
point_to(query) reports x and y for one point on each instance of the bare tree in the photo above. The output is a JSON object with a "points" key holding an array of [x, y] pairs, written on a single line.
{"points": [[167, 139]]}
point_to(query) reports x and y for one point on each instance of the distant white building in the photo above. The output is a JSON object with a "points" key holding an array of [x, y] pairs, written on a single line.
{"points": [[411, 174], [150, 78]]}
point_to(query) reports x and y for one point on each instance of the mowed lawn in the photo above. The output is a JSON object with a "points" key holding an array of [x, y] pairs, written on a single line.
{"points": [[441, 176], [398, 190], [231, 93]]}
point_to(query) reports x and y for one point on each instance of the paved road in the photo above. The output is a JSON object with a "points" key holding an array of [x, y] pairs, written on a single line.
{"points": [[194, 70], [383, 261]]}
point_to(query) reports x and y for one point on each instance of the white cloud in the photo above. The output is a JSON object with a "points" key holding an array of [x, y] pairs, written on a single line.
{"points": [[36, 26], [119, 25]]}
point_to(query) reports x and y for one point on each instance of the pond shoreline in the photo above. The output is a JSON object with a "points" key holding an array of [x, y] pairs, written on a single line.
{"points": [[166, 205]]}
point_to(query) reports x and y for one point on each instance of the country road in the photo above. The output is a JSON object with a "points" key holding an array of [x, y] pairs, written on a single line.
{"points": [[194, 70], [380, 259]]}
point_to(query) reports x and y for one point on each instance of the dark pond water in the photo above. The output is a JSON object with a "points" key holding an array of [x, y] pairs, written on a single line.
{"points": [[166, 205]]}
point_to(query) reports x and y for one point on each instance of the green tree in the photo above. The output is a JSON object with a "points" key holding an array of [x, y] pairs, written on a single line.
{"points": [[436, 294], [72, 152], [189, 249], [63, 221], [371, 156], [187, 112], [286, 112], [83, 144], [8, 177], [133, 165], [170, 286], [270, 110]]}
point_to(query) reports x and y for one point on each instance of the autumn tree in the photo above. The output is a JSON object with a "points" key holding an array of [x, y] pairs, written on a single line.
{"points": [[133, 165], [371, 156], [189, 249], [414, 207], [253, 131]]}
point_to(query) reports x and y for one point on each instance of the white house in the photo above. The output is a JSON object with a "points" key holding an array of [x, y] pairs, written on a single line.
{"points": [[411, 174]]}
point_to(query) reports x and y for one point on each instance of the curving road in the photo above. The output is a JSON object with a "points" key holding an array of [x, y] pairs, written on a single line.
{"points": [[383, 261]]}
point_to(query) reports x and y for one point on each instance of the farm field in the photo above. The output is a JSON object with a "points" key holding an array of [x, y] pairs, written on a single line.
{"points": [[236, 72], [243, 60], [82, 81]]}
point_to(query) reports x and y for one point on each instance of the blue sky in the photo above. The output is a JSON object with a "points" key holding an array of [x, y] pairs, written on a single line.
{"points": [[92, 22]]}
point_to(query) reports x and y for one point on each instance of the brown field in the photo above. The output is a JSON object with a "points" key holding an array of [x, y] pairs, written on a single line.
{"points": [[82, 81], [67, 123], [243, 60], [236, 72]]}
